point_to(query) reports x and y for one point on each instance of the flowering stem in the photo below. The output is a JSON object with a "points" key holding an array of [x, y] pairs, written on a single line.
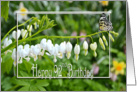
{"points": [[14, 28], [30, 39]]}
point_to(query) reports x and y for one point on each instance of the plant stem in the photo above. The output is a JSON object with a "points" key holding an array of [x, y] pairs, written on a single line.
{"points": [[14, 28], [30, 39]]}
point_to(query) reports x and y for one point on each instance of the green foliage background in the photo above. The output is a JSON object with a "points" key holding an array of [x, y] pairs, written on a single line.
{"points": [[65, 25]]}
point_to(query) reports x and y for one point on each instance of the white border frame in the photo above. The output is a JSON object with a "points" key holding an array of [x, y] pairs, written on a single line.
{"points": [[65, 12]]}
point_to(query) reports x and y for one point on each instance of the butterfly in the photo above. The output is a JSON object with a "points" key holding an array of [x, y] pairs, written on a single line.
{"points": [[104, 23]]}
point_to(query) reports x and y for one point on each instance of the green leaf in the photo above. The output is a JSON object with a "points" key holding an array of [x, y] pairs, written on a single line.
{"points": [[20, 81], [5, 83], [4, 9], [28, 66], [7, 63], [42, 83], [25, 88], [41, 88]]}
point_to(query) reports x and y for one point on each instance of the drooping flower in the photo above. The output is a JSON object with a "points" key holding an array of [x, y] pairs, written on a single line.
{"points": [[101, 43], [14, 57], [49, 46], [55, 51], [105, 41], [29, 28], [36, 51], [43, 45], [118, 67], [115, 34], [110, 36], [104, 3], [23, 52], [62, 49], [77, 51], [15, 35], [85, 46], [93, 47], [24, 33], [22, 12], [68, 49], [7, 42]]}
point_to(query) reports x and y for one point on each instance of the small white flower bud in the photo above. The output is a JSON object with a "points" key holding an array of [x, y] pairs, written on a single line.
{"points": [[101, 43], [105, 41], [77, 51], [68, 49], [110, 36], [85, 46], [29, 28]]}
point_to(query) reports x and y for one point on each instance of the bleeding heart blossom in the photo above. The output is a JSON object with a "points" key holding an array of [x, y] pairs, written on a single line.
{"points": [[62, 49], [24, 33], [36, 51], [68, 49], [15, 35], [85, 46], [7, 42], [77, 51]]}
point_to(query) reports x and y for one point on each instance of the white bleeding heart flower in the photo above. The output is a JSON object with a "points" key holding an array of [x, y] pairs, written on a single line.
{"points": [[62, 49], [49, 46], [68, 49], [36, 51], [14, 57], [7, 42], [24, 33], [93, 46], [77, 51], [16, 35], [23, 52], [43, 44], [85, 46], [55, 51], [29, 28]]}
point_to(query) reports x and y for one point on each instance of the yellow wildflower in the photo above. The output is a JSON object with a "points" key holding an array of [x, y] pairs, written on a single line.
{"points": [[104, 3], [118, 67]]}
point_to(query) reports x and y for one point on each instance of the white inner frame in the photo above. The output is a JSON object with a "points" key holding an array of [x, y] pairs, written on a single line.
{"points": [[65, 12]]}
